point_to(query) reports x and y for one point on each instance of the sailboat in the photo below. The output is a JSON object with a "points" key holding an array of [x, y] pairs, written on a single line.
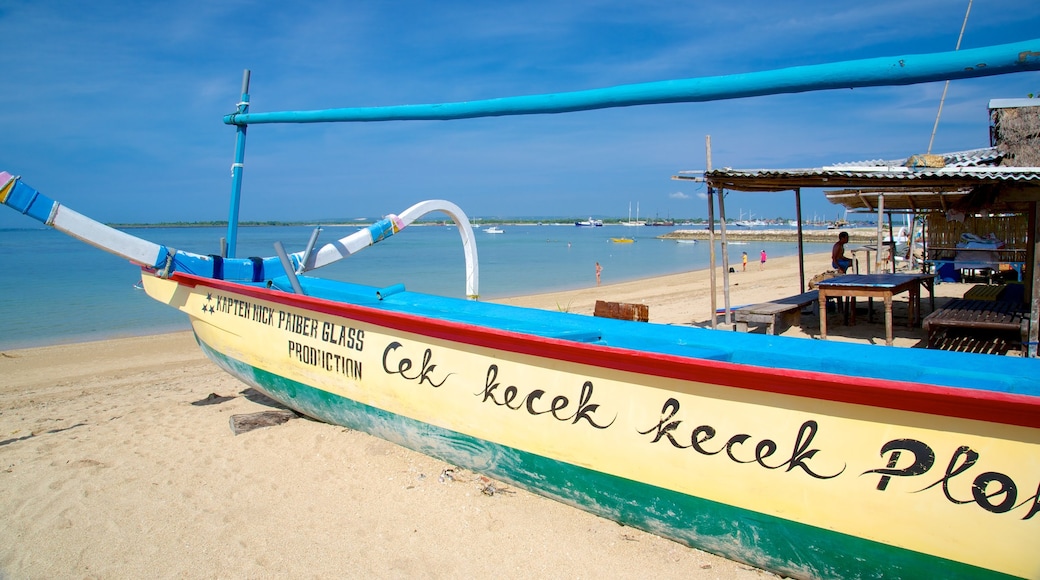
{"points": [[630, 222], [923, 466], [748, 223]]}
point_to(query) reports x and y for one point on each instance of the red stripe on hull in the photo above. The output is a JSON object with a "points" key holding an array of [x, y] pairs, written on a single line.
{"points": [[980, 405]]}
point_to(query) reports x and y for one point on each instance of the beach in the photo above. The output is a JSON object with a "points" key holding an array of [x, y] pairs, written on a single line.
{"points": [[117, 460]]}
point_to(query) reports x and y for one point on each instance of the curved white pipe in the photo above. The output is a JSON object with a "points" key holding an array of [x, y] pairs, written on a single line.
{"points": [[390, 225]]}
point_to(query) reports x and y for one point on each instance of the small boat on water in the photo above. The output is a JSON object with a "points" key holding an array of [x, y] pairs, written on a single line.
{"points": [[622, 240], [493, 230], [589, 223], [812, 459]]}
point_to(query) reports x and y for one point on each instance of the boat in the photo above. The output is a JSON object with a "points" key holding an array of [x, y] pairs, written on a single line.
{"points": [[749, 223], [806, 458], [685, 241], [630, 222], [589, 223], [622, 240], [493, 230]]}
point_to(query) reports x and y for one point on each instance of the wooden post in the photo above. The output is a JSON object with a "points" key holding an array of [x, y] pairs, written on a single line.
{"points": [[801, 244], [910, 241], [1032, 287], [880, 224], [725, 258], [892, 248], [711, 239]]}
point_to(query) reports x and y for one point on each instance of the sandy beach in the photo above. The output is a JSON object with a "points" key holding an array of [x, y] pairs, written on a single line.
{"points": [[110, 467]]}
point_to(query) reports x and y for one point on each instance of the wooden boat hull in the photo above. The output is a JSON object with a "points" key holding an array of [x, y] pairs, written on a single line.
{"points": [[750, 463], [761, 449]]}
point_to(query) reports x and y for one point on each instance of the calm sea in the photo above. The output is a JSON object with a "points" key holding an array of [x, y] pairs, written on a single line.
{"points": [[57, 290]]}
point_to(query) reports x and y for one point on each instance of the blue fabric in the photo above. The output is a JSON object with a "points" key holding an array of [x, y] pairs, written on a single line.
{"points": [[30, 202], [937, 367], [381, 230]]}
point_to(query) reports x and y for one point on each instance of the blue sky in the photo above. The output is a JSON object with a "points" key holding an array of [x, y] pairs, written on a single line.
{"points": [[115, 108]]}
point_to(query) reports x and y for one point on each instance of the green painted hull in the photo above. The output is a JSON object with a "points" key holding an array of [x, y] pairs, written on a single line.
{"points": [[775, 544]]}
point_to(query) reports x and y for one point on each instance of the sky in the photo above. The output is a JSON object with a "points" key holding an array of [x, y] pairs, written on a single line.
{"points": [[116, 109]]}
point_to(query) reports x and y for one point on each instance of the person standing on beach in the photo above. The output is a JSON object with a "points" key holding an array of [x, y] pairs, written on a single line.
{"points": [[762, 263], [838, 260], [744, 261], [599, 270]]}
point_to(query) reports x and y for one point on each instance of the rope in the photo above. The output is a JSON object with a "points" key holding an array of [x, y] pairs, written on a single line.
{"points": [[947, 85], [168, 267]]}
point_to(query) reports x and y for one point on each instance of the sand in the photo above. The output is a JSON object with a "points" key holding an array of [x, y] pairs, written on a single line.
{"points": [[108, 470]]}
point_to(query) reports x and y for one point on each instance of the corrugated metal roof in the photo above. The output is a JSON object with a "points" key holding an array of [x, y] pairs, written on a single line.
{"points": [[905, 183], [1013, 103], [971, 158], [962, 169]]}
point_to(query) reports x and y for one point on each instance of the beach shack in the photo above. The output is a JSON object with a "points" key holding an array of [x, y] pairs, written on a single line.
{"points": [[980, 216]]}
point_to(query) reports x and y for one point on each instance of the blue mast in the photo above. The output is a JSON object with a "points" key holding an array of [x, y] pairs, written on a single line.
{"points": [[236, 170]]}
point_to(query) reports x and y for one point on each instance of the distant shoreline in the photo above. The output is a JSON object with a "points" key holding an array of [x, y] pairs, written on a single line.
{"points": [[686, 229], [810, 236], [476, 222]]}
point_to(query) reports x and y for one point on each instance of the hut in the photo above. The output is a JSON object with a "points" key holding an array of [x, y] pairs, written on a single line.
{"points": [[988, 194]]}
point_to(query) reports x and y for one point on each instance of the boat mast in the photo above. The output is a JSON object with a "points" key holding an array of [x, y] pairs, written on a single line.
{"points": [[236, 170]]}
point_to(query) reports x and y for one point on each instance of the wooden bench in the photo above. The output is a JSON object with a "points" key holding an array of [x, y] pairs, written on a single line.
{"points": [[989, 292], [986, 326], [622, 311], [778, 315]]}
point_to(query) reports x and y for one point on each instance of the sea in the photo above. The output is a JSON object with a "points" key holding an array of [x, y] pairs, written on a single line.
{"points": [[57, 290]]}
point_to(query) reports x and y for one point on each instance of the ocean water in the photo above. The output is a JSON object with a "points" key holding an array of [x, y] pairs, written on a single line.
{"points": [[57, 290]]}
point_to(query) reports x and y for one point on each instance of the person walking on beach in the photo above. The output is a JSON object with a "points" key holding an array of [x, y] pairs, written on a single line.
{"points": [[599, 270], [762, 263], [744, 261], [838, 260]]}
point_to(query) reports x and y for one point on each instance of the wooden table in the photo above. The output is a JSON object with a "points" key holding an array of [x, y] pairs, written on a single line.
{"points": [[883, 286]]}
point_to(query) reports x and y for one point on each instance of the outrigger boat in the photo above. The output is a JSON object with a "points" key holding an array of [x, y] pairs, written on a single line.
{"points": [[802, 457]]}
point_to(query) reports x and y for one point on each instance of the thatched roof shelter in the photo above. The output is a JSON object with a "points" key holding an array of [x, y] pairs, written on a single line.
{"points": [[1001, 181]]}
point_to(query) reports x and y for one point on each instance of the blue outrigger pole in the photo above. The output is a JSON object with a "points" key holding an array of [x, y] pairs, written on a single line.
{"points": [[873, 72], [236, 170]]}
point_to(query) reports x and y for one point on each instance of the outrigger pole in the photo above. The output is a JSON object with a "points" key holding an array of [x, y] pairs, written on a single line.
{"points": [[236, 170], [872, 72]]}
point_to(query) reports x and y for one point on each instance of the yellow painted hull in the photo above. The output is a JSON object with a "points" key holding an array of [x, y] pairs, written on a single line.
{"points": [[936, 490]]}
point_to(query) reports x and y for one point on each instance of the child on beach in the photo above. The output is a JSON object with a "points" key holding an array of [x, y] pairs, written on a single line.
{"points": [[743, 260], [599, 270], [762, 264]]}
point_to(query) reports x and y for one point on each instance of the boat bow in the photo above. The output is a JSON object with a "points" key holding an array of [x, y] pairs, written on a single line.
{"points": [[22, 197]]}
